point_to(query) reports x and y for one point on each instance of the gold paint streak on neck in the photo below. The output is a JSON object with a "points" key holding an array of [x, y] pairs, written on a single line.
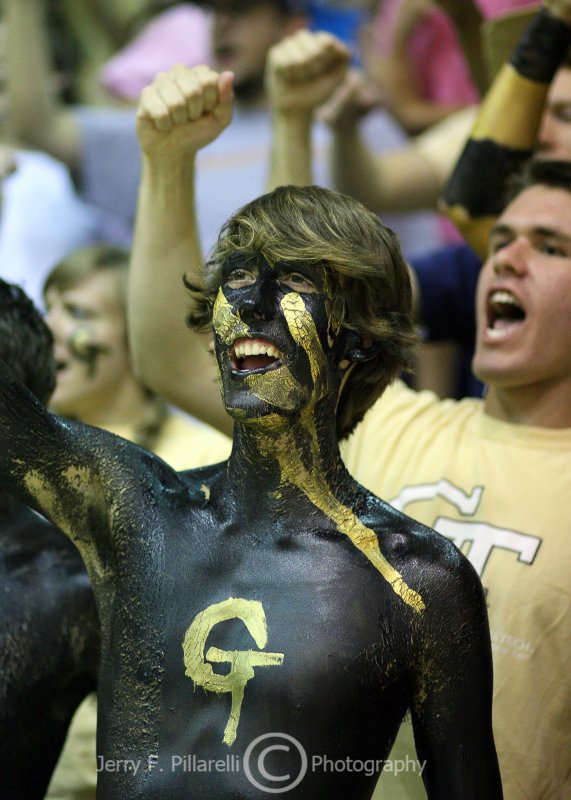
{"points": [[312, 482], [277, 387]]}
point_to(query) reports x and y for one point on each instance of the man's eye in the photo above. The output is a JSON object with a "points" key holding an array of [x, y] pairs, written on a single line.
{"points": [[240, 277], [563, 112], [298, 282], [78, 312], [498, 244], [551, 249]]}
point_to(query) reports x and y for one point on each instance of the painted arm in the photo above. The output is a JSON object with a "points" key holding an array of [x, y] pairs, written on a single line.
{"points": [[182, 111], [58, 468], [36, 115], [452, 714], [506, 129]]}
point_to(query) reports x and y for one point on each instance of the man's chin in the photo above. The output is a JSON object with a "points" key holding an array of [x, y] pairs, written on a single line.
{"points": [[247, 89], [259, 414]]}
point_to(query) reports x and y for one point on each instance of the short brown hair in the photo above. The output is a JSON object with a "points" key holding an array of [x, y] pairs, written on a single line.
{"points": [[365, 268]]}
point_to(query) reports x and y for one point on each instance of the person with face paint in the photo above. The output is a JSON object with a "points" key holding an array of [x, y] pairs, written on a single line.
{"points": [[49, 631], [85, 300], [269, 601]]}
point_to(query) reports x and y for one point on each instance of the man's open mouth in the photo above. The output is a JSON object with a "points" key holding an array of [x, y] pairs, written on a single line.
{"points": [[504, 312], [248, 355]]}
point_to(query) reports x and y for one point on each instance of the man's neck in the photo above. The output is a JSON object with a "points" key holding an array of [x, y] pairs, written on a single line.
{"points": [[126, 404], [539, 405], [279, 456]]}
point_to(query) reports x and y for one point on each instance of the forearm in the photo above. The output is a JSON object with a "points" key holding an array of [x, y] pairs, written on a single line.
{"points": [[35, 454], [390, 182], [354, 168], [302, 72], [36, 116], [415, 115], [502, 140], [291, 155], [169, 357]]}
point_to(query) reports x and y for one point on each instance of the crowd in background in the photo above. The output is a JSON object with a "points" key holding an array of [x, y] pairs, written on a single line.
{"points": [[71, 75]]}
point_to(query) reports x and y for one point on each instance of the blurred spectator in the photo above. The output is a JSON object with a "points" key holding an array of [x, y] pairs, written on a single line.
{"points": [[180, 35], [99, 144], [42, 217], [415, 55]]}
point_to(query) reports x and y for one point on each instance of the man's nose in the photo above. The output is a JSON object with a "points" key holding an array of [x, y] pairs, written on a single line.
{"points": [[512, 257], [547, 135], [53, 319], [257, 303]]}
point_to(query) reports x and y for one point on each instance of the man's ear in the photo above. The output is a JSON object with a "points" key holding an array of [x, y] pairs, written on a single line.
{"points": [[360, 349]]}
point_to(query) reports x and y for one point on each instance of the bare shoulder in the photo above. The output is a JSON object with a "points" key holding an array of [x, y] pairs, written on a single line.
{"points": [[433, 562]]}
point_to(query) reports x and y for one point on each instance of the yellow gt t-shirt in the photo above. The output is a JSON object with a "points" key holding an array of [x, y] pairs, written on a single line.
{"points": [[500, 492]]}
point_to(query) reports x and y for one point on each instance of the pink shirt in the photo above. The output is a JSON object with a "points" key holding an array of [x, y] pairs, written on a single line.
{"points": [[440, 69], [180, 35]]}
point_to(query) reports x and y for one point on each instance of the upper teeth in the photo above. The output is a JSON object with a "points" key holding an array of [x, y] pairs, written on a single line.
{"points": [[256, 349], [502, 296]]}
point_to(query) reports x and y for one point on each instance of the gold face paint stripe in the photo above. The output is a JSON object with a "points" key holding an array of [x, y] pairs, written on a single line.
{"points": [[278, 388], [227, 325], [304, 333], [241, 662], [312, 483]]}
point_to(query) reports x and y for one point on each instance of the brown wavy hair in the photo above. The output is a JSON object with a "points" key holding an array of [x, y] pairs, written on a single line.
{"points": [[366, 271]]}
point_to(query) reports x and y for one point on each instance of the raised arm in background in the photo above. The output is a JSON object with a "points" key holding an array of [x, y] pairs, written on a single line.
{"points": [[37, 117], [305, 72], [182, 111], [302, 71], [506, 129]]}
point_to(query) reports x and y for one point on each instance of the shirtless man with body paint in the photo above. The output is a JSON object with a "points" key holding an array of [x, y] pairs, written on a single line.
{"points": [[271, 594]]}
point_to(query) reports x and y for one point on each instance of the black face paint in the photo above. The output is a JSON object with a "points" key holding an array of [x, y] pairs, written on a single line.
{"points": [[254, 307], [82, 347]]}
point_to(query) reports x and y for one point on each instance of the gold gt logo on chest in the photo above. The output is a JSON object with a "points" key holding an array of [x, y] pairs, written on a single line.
{"points": [[242, 662]]}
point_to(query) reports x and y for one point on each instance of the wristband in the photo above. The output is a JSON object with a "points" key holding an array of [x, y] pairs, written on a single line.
{"points": [[542, 48], [481, 191]]}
